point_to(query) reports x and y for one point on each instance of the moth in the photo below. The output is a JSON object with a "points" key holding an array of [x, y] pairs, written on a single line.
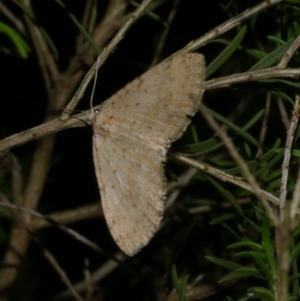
{"points": [[132, 133]]}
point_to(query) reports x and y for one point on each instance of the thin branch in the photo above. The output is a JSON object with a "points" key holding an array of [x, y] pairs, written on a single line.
{"points": [[286, 158], [221, 175], [102, 57], [83, 119], [46, 60], [250, 76], [68, 216], [102, 272], [225, 205], [217, 31], [296, 198], [18, 24], [46, 252], [288, 55], [164, 35], [283, 113], [44, 129], [264, 126], [182, 182], [241, 163], [64, 228], [61, 273]]}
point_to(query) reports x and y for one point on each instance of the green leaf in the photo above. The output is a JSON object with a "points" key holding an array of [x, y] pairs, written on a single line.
{"points": [[255, 163], [201, 147], [40, 28], [283, 81], [238, 130], [226, 53], [80, 28], [255, 226], [283, 96], [241, 273], [268, 245], [245, 244], [249, 254], [247, 150], [295, 252], [296, 153], [262, 292], [260, 262], [269, 164], [222, 218], [183, 288], [175, 280], [296, 28], [257, 53], [293, 1], [276, 40], [180, 288], [253, 120], [259, 259], [297, 231], [294, 267], [231, 231], [194, 134], [224, 263], [228, 195], [265, 157], [21, 46], [273, 57], [294, 277], [151, 14], [275, 175]]}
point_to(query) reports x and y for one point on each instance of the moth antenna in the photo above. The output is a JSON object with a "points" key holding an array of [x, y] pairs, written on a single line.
{"points": [[93, 91]]}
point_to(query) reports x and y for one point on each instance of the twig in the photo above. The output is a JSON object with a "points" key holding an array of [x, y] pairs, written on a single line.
{"points": [[286, 158], [103, 271], [87, 277], [283, 238], [46, 60], [68, 216], [207, 208], [46, 252], [61, 273], [10, 162], [102, 57], [164, 35], [296, 199], [288, 55], [250, 76], [19, 238], [88, 23], [217, 31], [283, 113], [223, 176], [82, 119], [44, 129], [241, 163], [64, 228], [264, 126], [18, 24], [110, 23], [183, 181]]}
